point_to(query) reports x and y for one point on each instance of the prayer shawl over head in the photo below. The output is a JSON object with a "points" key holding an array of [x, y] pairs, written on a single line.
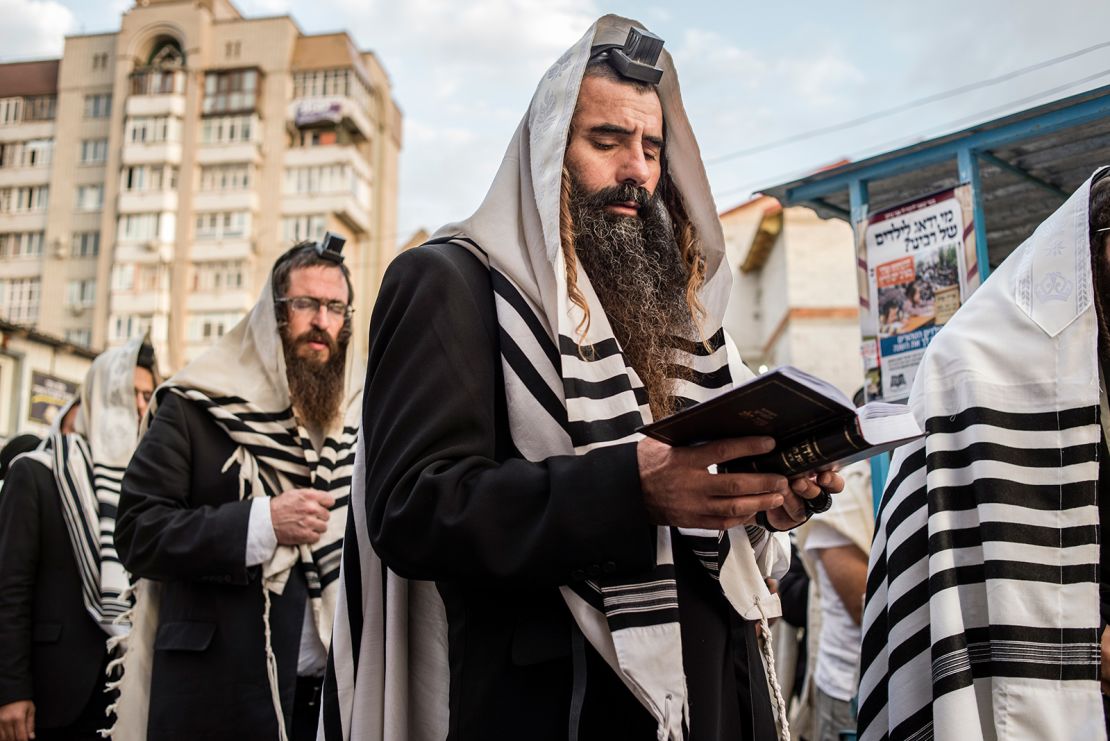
{"points": [[388, 674], [241, 381], [88, 466], [982, 616]]}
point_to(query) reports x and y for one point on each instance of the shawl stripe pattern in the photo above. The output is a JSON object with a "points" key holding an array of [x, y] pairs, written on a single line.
{"points": [[968, 480], [89, 495]]}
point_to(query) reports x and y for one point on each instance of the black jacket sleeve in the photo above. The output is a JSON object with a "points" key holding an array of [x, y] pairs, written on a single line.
{"points": [[19, 558], [161, 533], [440, 503]]}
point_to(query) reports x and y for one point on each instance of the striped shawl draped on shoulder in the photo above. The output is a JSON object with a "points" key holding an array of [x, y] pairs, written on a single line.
{"points": [[982, 613]]}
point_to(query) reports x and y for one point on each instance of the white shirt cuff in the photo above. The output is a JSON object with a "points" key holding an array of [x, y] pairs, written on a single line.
{"points": [[261, 538]]}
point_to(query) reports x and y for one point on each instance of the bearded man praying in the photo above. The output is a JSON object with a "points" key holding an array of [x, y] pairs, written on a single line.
{"points": [[548, 572], [232, 512]]}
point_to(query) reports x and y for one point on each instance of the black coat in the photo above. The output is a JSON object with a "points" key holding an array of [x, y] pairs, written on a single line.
{"points": [[181, 522], [450, 499], [51, 650]]}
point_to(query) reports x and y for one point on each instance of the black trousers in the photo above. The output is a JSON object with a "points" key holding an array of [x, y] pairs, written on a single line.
{"points": [[306, 708]]}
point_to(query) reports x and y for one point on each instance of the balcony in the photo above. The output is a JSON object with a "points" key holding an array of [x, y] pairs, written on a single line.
{"points": [[219, 301], [333, 154], [305, 113], [222, 249], [21, 267], [139, 202], [218, 200], [155, 153], [141, 302], [146, 252], [215, 154], [156, 105], [39, 175], [343, 204], [15, 132]]}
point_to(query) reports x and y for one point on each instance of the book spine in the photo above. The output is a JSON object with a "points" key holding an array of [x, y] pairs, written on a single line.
{"points": [[796, 457]]}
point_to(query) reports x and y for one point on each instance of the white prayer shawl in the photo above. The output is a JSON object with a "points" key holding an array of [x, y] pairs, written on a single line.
{"points": [[982, 611], [241, 381], [88, 466], [390, 687]]}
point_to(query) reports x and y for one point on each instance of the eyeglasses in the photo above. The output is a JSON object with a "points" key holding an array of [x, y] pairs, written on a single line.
{"points": [[310, 306]]}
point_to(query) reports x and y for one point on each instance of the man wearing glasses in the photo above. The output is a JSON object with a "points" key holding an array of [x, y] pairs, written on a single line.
{"points": [[233, 512]]}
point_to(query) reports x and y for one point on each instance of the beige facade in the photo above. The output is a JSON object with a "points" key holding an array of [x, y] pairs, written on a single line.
{"points": [[794, 297], [183, 154]]}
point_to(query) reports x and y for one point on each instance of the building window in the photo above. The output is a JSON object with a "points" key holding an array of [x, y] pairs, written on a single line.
{"points": [[327, 83], [334, 178], [94, 151], [211, 326], [148, 178], [85, 244], [90, 197], [230, 92], [81, 293], [152, 129], [300, 228], [225, 177], [39, 107], [30, 153], [146, 227], [213, 277], [19, 300], [227, 129], [123, 327], [98, 105], [11, 111], [24, 199], [157, 82], [16, 245], [81, 337], [100, 61], [223, 225]]}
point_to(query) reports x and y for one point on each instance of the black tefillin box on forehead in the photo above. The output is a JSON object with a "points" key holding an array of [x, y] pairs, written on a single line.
{"points": [[636, 59]]}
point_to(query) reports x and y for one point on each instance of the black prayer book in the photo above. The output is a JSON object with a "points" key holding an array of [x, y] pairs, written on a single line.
{"points": [[815, 426]]}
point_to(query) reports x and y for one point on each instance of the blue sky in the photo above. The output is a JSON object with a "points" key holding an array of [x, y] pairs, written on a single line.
{"points": [[751, 73]]}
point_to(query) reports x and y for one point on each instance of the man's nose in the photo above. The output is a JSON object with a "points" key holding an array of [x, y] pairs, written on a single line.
{"points": [[634, 167]]}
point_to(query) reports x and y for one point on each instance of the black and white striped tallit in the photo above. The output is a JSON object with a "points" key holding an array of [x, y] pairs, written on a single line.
{"points": [[88, 466], [982, 615], [388, 672], [241, 383]]}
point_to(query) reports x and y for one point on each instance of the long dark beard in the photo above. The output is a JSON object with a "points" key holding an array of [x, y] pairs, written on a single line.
{"points": [[640, 278], [315, 388], [1100, 266]]}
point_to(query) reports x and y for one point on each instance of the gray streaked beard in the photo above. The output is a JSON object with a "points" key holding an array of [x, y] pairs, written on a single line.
{"points": [[640, 278], [316, 389]]}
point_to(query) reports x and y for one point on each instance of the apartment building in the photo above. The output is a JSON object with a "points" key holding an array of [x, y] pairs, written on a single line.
{"points": [[150, 177]]}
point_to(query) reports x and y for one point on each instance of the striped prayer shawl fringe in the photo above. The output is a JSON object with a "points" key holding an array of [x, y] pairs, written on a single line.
{"points": [[274, 454], [986, 546]]}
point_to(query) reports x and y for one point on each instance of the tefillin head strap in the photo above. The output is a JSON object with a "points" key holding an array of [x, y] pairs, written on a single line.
{"points": [[636, 59]]}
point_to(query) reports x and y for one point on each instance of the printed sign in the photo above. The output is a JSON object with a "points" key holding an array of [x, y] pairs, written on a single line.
{"points": [[912, 280], [48, 395]]}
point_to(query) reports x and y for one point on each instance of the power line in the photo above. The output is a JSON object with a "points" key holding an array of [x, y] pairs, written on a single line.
{"points": [[907, 140], [802, 136]]}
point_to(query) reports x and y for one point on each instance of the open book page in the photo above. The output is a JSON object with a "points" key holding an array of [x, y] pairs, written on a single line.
{"points": [[882, 423]]}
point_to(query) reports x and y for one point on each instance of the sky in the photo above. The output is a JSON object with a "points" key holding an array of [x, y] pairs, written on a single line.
{"points": [[774, 90]]}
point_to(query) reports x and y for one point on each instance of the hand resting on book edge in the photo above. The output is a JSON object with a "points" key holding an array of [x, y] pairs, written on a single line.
{"points": [[680, 491]]}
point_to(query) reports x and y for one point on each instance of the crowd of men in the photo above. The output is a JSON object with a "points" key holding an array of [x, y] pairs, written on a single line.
{"points": [[464, 536]]}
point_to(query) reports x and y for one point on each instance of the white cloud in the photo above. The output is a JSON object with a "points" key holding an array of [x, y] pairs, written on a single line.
{"points": [[33, 28]]}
